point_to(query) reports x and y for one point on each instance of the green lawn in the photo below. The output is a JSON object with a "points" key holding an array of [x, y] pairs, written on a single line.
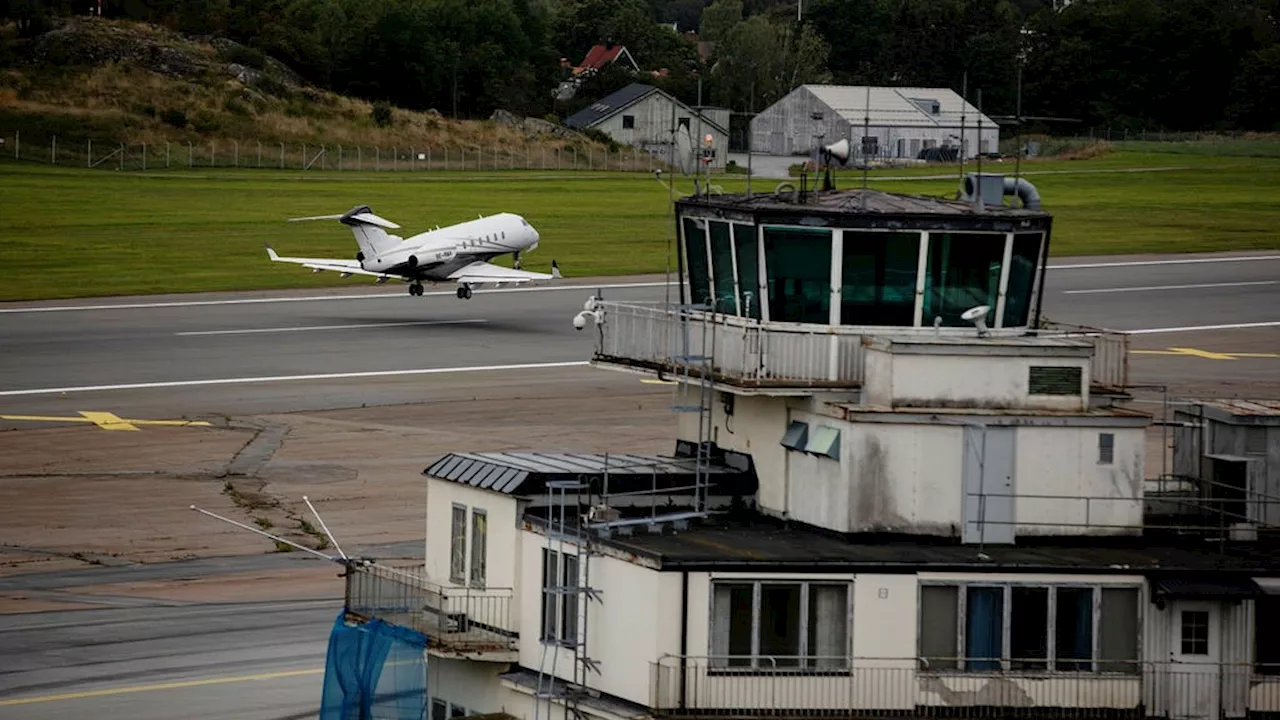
{"points": [[74, 232]]}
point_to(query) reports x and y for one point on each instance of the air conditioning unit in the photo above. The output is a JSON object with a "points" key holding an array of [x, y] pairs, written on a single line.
{"points": [[990, 185], [602, 513]]}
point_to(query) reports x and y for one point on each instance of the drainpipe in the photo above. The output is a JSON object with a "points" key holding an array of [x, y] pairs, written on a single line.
{"points": [[684, 634]]}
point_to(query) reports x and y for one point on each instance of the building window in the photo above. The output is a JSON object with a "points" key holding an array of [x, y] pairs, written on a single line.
{"points": [[479, 531], [963, 273], [1023, 261], [439, 709], [1195, 632], [683, 123], [1106, 448], [780, 625], [559, 597], [628, 122], [878, 279], [1047, 628], [695, 257], [722, 267], [1266, 623], [798, 266], [458, 546], [747, 253]]}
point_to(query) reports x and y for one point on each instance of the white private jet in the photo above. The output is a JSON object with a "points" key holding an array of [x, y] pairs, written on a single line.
{"points": [[458, 253]]}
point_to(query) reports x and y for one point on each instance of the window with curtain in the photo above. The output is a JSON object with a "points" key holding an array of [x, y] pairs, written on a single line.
{"points": [[559, 603], [479, 537], [768, 625], [963, 271], [878, 278], [747, 252], [458, 545], [1022, 276], [1056, 628], [722, 267], [798, 267], [695, 258]]}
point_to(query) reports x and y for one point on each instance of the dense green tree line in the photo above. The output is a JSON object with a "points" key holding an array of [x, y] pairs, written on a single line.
{"points": [[1152, 64]]}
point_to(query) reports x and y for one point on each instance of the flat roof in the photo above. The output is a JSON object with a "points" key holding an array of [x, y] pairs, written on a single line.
{"points": [[528, 473], [858, 201], [760, 543], [1264, 411]]}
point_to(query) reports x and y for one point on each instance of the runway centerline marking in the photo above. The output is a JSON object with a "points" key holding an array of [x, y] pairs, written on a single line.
{"points": [[285, 378], [1196, 328], [330, 327], [1170, 287], [1208, 354], [1179, 261], [587, 288], [106, 420], [159, 686]]}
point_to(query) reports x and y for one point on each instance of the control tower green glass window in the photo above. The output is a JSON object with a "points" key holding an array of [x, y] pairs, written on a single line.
{"points": [[722, 267], [695, 258], [748, 255], [1022, 277], [878, 283], [798, 263], [963, 272]]}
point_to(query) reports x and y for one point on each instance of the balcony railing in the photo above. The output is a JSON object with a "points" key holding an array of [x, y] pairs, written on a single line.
{"points": [[457, 619], [752, 354], [822, 687]]}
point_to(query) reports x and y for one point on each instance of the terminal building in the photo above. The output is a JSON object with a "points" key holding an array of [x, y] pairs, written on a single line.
{"points": [[896, 490]]}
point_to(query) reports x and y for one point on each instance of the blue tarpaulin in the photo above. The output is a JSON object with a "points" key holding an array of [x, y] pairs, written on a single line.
{"points": [[374, 671]]}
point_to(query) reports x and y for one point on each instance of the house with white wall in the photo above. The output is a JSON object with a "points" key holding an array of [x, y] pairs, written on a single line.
{"points": [[645, 117], [895, 489]]}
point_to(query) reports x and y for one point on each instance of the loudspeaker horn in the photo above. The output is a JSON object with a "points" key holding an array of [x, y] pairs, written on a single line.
{"points": [[838, 150]]}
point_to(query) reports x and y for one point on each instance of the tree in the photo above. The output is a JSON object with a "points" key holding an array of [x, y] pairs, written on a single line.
{"points": [[765, 60], [719, 19]]}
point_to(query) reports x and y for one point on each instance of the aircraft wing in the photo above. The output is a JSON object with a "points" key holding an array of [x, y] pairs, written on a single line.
{"points": [[482, 272], [347, 267]]}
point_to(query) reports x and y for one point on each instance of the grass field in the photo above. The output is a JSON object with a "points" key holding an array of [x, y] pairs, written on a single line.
{"points": [[73, 233]]}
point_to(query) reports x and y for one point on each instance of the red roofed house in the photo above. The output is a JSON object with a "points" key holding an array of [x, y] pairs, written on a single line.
{"points": [[601, 55]]}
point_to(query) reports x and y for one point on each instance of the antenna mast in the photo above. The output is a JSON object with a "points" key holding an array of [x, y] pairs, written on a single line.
{"points": [[964, 105]]}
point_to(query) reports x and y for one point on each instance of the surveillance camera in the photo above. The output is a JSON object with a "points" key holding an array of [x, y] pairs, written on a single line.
{"points": [[579, 322]]}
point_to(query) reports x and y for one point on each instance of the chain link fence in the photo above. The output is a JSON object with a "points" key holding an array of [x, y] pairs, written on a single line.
{"points": [[49, 149]]}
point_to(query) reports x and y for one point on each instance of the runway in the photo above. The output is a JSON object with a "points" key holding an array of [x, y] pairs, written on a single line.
{"points": [[1197, 322], [230, 353]]}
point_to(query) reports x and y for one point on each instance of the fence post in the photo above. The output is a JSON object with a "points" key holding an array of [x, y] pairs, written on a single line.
{"points": [[213, 154], [53, 151], [121, 156], [144, 156], [235, 157], [89, 162], [259, 153], [16, 142], [190, 155], [359, 156], [304, 156], [166, 155], [339, 158]]}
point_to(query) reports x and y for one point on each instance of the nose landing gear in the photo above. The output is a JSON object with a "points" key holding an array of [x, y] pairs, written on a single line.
{"points": [[464, 292], [415, 289]]}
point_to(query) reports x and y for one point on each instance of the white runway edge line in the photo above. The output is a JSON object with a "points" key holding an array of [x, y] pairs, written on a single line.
{"points": [[1170, 287], [284, 378], [587, 288], [356, 326], [1181, 261], [1197, 328]]}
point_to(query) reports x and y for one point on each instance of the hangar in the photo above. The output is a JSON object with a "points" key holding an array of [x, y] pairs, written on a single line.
{"points": [[898, 122]]}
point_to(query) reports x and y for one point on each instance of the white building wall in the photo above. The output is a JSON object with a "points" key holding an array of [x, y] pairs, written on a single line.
{"points": [[967, 381], [473, 686], [502, 568], [1054, 462], [652, 127], [633, 624]]}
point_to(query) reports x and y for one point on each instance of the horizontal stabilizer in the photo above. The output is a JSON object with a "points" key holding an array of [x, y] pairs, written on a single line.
{"points": [[354, 216]]}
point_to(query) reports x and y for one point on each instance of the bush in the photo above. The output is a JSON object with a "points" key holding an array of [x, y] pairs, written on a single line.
{"points": [[176, 118], [382, 116]]}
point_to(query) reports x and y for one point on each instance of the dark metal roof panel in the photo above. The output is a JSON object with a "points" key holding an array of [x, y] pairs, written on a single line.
{"points": [[1204, 587], [608, 105]]}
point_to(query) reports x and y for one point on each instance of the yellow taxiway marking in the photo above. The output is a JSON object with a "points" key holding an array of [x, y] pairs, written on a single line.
{"points": [[1197, 352], [106, 420], [658, 382], [159, 686]]}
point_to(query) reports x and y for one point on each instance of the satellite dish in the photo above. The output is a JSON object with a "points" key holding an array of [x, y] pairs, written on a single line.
{"points": [[838, 150], [977, 316]]}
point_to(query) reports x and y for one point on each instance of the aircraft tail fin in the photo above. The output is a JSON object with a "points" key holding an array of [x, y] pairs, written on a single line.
{"points": [[369, 230]]}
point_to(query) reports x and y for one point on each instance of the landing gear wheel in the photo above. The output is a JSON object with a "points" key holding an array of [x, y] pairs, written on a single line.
{"points": [[415, 289], [464, 292]]}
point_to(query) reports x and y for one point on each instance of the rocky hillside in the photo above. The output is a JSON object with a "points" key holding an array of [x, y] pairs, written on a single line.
{"points": [[120, 81]]}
